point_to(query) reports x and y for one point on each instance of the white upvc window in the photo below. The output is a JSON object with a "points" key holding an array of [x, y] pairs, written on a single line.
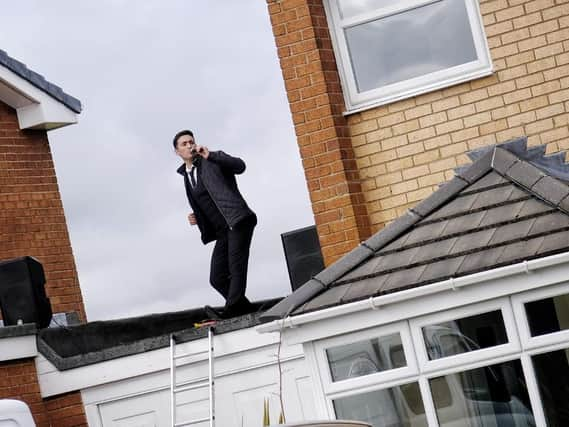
{"points": [[465, 335], [389, 50], [503, 361]]}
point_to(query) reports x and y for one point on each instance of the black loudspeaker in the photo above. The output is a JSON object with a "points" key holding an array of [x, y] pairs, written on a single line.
{"points": [[303, 255], [22, 292]]}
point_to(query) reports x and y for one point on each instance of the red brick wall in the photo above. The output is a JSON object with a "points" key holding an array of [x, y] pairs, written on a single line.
{"points": [[18, 380], [316, 103], [32, 221]]}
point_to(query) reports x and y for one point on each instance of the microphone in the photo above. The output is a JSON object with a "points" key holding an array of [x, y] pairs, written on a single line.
{"points": [[196, 158]]}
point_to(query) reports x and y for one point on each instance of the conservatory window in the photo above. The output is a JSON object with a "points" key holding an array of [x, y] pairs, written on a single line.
{"points": [[548, 315], [489, 396], [366, 357], [396, 406], [388, 50], [463, 335], [552, 372]]}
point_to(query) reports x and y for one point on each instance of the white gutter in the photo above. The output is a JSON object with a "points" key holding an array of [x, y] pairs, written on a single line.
{"points": [[382, 300]]}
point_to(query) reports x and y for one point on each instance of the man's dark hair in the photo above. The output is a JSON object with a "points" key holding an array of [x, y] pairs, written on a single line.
{"points": [[182, 133]]}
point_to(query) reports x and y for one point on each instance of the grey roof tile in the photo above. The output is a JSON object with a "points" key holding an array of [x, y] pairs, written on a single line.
{"points": [[491, 179], [296, 299], [554, 242], [473, 241], [364, 269], [397, 243], [328, 298], [495, 196], [521, 250], [402, 279], [512, 231], [427, 232], [554, 221], [441, 196], [364, 288], [501, 213], [551, 189], [457, 206], [465, 222], [39, 81], [434, 250], [391, 231], [564, 204], [480, 260], [532, 207], [525, 174], [396, 259], [442, 269], [478, 169], [355, 257], [503, 160]]}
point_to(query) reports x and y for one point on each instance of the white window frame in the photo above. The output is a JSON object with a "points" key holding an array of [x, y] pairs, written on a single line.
{"points": [[540, 342], [444, 363], [356, 101], [365, 381]]}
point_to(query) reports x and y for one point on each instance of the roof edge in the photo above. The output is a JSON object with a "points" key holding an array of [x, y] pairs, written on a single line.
{"points": [[37, 80]]}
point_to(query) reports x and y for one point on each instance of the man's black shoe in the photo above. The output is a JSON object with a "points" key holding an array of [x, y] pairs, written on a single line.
{"points": [[237, 310], [213, 313]]}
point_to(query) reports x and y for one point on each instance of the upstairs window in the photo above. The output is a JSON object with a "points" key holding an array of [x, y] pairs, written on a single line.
{"points": [[393, 49]]}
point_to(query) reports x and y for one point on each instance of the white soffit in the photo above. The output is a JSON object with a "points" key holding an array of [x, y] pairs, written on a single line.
{"points": [[35, 108]]}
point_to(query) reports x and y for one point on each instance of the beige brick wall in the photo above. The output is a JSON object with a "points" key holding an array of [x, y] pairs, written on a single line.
{"points": [[405, 149], [366, 169]]}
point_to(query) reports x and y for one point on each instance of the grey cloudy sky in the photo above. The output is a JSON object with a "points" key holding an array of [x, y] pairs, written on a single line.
{"points": [[144, 70]]}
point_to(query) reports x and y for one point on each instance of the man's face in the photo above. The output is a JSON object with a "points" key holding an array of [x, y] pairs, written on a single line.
{"points": [[184, 147]]}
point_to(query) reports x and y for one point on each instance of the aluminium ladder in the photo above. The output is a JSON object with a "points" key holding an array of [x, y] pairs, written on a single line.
{"points": [[178, 388]]}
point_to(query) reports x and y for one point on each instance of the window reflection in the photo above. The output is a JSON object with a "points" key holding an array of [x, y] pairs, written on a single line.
{"points": [[464, 335], [548, 315], [552, 372], [493, 396], [366, 357], [410, 44], [394, 407]]}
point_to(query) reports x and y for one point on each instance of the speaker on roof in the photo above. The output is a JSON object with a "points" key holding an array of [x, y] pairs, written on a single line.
{"points": [[22, 292], [303, 255]]}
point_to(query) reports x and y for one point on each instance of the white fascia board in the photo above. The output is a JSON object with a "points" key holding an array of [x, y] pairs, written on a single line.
{"points": [[13, 348], [35, 108], [426, 299], [53, 382]]}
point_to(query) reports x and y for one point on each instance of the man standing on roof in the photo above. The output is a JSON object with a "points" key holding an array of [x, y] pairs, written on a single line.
{"points": [[221, 214]]}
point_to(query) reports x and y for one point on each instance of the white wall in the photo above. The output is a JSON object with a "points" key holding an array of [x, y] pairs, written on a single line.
{"points": [[246, 372]]}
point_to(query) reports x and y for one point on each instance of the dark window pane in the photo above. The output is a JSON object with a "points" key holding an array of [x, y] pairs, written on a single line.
{"points": [[548, 315], [552, 371], [464, 335], [394, 407], [490, 396], [366, 357]]}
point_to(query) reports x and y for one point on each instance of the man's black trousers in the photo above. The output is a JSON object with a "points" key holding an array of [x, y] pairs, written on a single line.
{"points": [[229, 261]]}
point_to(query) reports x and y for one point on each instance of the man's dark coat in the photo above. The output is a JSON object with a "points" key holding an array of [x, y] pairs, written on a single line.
{"points": [[217, 174]]}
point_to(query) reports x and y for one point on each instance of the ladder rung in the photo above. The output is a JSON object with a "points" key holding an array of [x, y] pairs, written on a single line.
{"points": [[191, 387], [189, 423], [197, 353]]}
